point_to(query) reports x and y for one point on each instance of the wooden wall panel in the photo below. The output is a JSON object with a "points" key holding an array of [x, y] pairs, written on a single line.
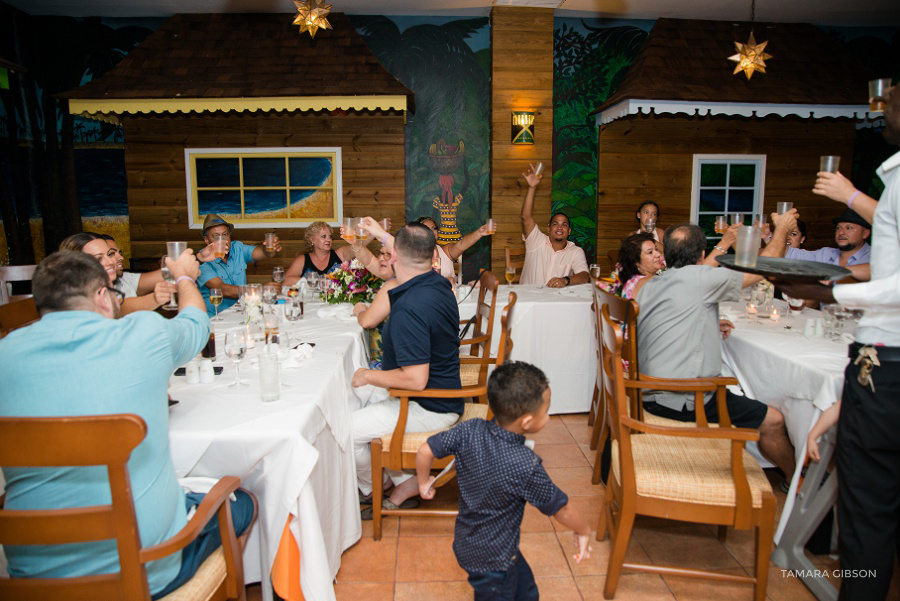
{"points": [[373, 170], [650, 157], [521, 79]]}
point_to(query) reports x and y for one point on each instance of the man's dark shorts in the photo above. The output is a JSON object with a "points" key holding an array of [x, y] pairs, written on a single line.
{"points": [[743, 411]]}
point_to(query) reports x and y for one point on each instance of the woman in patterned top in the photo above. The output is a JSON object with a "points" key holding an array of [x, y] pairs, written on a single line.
{"points": [[639, 259]]}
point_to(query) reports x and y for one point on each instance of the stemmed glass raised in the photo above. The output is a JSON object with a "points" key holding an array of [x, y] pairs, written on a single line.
{"points": [[173, 251], [215, 298], [236, 348]]}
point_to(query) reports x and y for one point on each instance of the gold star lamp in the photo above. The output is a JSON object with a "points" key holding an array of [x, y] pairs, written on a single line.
{"points": [[312, 16], [750, 57]]}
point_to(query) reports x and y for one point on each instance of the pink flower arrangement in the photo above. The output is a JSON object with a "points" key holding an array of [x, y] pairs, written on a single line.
{"points": [[350, 282]]}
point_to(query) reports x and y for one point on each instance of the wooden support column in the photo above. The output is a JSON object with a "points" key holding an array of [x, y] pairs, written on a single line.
{"points": [[522, 80]]}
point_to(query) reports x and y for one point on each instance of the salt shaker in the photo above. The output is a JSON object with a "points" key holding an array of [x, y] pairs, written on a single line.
{"points": [[207, 376], [192, 372]]}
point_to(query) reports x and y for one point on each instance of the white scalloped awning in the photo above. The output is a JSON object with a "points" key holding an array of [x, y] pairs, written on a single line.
{"points": [[109, 110], [743, 109]]}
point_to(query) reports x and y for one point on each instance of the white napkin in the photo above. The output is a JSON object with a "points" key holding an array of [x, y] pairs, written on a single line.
{"points": [[199, 484], [369, 395], [342, 311], [727, 313]]}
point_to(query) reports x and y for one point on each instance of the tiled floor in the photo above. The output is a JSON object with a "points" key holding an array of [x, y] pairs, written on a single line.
{"points": [[414, 559]]}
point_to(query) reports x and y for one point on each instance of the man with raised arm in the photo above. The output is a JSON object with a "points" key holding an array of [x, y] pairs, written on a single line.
{"points": [[550, 260]]}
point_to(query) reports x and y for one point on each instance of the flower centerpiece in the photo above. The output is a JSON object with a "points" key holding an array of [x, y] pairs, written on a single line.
{"points": [[350, 282]]}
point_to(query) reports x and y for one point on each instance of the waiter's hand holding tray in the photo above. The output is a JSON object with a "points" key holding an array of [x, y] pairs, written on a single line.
{"points": [[778, 270]]}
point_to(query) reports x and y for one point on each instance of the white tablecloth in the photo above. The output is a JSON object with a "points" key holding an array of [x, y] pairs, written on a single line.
{"points": [[552, 328], [294, 454], [781, 367]]}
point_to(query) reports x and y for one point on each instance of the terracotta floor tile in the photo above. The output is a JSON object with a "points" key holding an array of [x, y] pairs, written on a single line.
{"points": [[631, 587], [427, 559], [370, 591], [544, 554], [691, 545], [369, 561], [558, 589], [417, 525], [573, 418], [691, 589], [598, 562], [555, 432], [581, 432], [254, 592], [575, 481], [589, 455], [389, 527], [588, 508], [742, 545], [561, 455], [783, 586], [433, 591], [535, 521]]}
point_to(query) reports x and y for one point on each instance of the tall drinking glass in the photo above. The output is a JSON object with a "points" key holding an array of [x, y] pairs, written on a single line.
{"points": [[220, 246], [747, 246], [348, 232], [877, 88], [215, 298], [173, 250], [491, 226], [721, 224], [783, 207], [829, 163], [270, 294], [236, 348], [737, 218]]}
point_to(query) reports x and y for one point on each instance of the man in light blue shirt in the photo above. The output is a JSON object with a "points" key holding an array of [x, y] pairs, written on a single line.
{"points": [[230, 273], [80, 360], [850, 233]]}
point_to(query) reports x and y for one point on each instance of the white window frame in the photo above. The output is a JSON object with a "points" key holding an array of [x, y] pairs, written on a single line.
{"points": [[337, 176], [759, 188]]}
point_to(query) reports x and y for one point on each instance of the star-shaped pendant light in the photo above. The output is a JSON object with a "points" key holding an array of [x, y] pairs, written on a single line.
{"points": [[750, 57], [312, 16]]}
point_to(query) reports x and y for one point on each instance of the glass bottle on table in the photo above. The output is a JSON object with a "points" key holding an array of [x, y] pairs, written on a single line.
{"points": [[215, 299], [235, 349]]}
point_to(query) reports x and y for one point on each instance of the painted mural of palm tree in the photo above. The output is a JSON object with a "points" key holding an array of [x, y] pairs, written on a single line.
{"points": [[451, 83], [587, 69]]}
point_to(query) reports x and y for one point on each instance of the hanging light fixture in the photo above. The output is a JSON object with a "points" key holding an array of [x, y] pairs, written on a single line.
{"points": [[312, 16], [751, 56]]}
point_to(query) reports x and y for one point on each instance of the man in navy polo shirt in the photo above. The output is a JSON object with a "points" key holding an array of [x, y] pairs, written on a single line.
{"points": [[421, 350]]}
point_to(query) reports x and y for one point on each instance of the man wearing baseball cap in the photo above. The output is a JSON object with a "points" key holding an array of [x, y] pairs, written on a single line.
{"points": [[850, 234], [230, 273]]}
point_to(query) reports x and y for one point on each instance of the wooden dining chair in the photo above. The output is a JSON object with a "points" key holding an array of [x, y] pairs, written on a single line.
{"points": [[692, 474], [108, 440], [480, 331], [17, 314], [515, 257], [14, 273], [473, 371], [388, 455]]}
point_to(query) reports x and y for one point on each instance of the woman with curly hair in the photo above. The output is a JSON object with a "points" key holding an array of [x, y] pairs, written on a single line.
{"points": [[638, 259], [319, 257]]}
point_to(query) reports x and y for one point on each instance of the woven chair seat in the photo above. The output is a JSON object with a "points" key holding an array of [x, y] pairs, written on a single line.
{"points": [[206, 580], [469, 372], [413, 440], [692, 470], [656, 420]]}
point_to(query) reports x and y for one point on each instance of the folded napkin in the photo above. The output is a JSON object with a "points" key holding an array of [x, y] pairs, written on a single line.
{"points": [[342, 311], [200, 484]]}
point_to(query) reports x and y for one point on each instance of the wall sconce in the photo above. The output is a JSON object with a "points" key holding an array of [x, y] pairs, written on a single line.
{"points": [[522, 127]]}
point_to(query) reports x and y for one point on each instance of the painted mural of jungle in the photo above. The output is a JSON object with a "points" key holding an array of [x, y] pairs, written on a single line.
{"points": [[446, 63], [590, 58]]}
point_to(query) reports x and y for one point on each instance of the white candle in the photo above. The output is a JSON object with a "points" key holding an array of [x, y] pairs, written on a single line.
{"points": [[774, 316]]}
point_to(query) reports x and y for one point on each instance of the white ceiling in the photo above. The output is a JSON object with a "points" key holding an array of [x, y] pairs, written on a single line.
{"points": [[824, 12]]}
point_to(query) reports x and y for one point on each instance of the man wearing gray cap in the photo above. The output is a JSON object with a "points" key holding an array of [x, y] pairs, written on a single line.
{"points": [[230, 273]]}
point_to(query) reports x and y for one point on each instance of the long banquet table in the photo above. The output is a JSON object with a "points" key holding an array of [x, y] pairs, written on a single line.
{"points": [[783, 368], [552, 328], [294, 454]]}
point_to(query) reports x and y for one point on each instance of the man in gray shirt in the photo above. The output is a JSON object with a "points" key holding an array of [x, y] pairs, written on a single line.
{"points": [[678, 334]]}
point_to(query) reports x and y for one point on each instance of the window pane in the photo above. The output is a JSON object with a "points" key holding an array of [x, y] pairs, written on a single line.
{"points": [[221, 202], [312, 204], [265, 201], [740, 201], [712, 200], [743, 175], [264, 171], [708, 223], [312, 171], [712, 174], [217, 173]]}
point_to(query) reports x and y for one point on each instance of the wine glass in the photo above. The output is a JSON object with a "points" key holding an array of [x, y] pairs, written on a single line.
{"points": [[215, 298], [278, 274], [236, 348], [650, 226], [169, 279], [270, 294], [312, 281], [795, 305], [293, 309], [173, 251], [510, 274]]}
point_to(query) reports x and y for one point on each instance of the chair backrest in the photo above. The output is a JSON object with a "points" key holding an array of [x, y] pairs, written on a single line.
{"points": [[17, 314], [506, 343], [482, 332], [625, 312], [106, 440], [515, 258], [611, 340], [14, 273]]}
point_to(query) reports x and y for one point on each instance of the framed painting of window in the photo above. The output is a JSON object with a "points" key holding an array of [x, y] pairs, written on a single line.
{"points": [[264, 187], [723, 185]]}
